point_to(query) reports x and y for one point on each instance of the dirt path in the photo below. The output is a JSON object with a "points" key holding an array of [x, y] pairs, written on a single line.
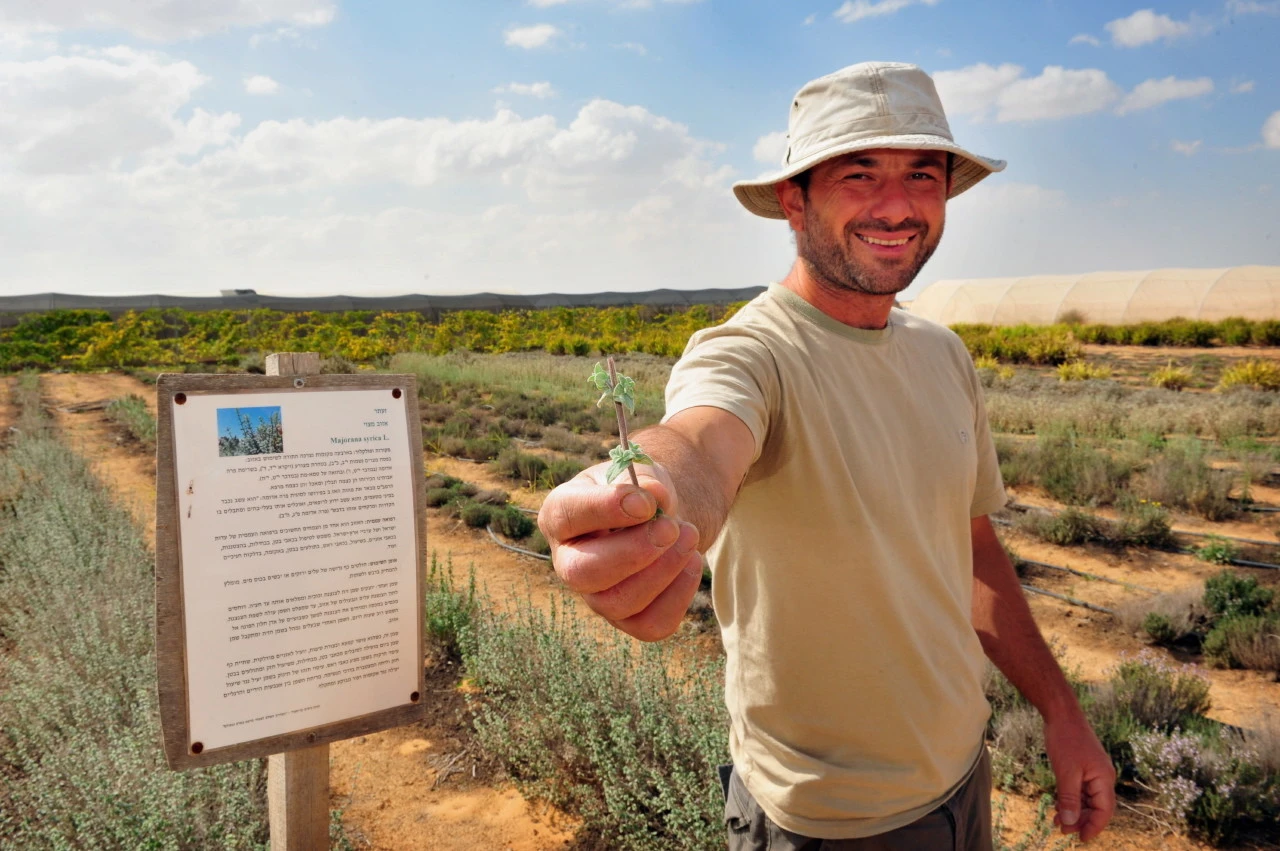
{"points": [[426, 786], [115, 459]]}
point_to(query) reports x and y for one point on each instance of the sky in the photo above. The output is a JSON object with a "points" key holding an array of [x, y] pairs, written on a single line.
{"points": [[574, 146]]}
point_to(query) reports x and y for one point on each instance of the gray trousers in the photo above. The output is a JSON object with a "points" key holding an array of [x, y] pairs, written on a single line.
{"points": [[961, 823]]}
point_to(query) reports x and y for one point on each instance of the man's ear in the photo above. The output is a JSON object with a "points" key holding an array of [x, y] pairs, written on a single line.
{"points": [[791, 199]]}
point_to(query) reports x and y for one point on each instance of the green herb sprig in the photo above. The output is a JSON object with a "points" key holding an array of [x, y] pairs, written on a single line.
{"points": [[622, 391]]}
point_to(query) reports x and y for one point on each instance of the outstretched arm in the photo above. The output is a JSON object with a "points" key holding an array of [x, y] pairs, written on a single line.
{"points": [[1012, 641], [636, 570]]}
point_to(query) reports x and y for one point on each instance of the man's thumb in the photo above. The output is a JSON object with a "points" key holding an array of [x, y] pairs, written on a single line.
{"points": [[1068, 803]]}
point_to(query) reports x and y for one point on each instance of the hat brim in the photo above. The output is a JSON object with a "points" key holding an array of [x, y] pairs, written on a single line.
{"points": [[759, 196]]}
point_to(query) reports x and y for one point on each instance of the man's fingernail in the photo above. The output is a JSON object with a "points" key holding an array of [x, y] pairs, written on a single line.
{"points": [[1069, 817], [663, 532], [686, 543], [638, 505]]}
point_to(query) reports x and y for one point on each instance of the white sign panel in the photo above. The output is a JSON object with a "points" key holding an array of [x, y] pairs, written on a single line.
{"points": [[298, 546]]}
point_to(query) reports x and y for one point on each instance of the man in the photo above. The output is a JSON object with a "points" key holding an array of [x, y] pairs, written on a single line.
{"points": [[831, 455]]}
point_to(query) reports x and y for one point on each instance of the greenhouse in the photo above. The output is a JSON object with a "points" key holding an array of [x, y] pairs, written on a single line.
{"points": [[1107, 298]]}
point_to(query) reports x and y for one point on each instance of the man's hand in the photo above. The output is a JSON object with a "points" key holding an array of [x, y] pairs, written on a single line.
{"points": [[1086, 778], [637, 570]]}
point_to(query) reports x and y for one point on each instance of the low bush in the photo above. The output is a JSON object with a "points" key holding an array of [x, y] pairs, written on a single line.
{"points": [[1143, 523], [1217, 550], [1180, 476], [559, 471], [475, 515], [513, 522], [80, 751], [1079, 370], [1170, 377], [1209, 784], [1167, 618], [619, 737], [1228, 594], [518, 465], [132, 413], [1143, 693], [1245, 641], [1066, 528], [1255, 374]]}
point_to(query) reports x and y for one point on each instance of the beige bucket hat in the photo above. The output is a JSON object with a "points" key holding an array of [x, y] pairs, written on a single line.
{"points": [[869, 105]]}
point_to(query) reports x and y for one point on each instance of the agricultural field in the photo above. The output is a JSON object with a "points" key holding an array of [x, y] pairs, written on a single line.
{"points": [[1144, 471]]}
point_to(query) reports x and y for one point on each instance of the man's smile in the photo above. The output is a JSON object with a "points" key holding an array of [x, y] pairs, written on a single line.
{"points": [[887, 242]]}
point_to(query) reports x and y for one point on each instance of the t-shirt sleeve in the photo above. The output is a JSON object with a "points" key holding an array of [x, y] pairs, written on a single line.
{"points": [[988, 492], [728, 370]]}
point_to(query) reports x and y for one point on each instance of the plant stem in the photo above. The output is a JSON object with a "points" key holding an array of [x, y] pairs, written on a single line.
{"points": [[622, 418]]}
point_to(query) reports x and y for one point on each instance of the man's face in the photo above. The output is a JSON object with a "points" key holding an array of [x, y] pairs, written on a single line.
{"points": [[870, 220]]}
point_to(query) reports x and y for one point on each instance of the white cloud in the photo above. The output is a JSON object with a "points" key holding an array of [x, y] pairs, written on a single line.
{"points": [[170, 201], [1144, 27], [1151, 93], [634, 47], [1085, 38], [980, 91], [539, 90], [543, 4], [94, 110], [808, 21], [1188, 148], [976, 89], [855, 10], [770, 148], [1271, 131], [1057, 93], [163, 21], [1242, 87], [531, 37], [260, 84]]}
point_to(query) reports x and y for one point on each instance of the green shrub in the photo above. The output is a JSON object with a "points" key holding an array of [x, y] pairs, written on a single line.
{"points": [[1066, 528], [1160, 629], [1144, 523], [1228, 594], [513, 522], [619, 737], [537, 543], [1170, 377], [1143, 693], [475, 515], [1075, 472], [1181, 476], [80, 751], [1217, 550], [521, 466], [559, 471], [132, 413], [437, 497], [449, 612], [1078, 370], [1254, 373], [1245, 641]]}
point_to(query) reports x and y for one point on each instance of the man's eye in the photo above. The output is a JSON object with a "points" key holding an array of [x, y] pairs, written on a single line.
{"points": [[858, 175], [923, 175]]}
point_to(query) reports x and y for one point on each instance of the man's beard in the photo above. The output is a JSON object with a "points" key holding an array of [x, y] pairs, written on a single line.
{"points": [[834, 266]]}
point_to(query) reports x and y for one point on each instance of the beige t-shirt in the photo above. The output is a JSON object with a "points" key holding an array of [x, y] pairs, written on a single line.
{"points": [[843, 575]]}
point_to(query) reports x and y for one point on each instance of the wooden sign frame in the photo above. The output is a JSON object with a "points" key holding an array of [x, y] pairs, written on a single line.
{"points": [[171, 634]]}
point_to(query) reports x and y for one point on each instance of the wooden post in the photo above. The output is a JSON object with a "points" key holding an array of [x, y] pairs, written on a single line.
{"points": [[298, 781]]}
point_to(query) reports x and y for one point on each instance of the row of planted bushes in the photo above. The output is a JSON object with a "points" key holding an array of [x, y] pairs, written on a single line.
{"points": [[627, 739], [80, 746], [91, 339]]}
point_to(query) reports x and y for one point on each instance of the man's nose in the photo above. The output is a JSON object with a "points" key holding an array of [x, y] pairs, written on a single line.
{"points": [[891, 203]]}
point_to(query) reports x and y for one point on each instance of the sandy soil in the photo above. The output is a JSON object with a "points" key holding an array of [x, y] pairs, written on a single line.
{"points": [[427, 786]]}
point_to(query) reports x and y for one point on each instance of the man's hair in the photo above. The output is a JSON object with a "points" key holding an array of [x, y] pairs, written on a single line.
{"points": [[802, 179]]}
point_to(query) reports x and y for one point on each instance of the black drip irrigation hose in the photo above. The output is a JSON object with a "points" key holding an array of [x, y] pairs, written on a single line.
{"points": [[489, 529], [1072, 600], [1086, 575]]}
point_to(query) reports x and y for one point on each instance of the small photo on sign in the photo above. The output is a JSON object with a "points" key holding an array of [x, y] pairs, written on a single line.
{"points": [[250, 431]]}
